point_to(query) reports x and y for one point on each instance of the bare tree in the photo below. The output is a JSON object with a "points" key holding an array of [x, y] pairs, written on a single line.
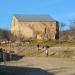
{"points": [[61, 30], [72, 25], [62, 26]]}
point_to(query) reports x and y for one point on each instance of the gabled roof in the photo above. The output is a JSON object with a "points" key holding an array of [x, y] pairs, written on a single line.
{"points": [[35, 18]]}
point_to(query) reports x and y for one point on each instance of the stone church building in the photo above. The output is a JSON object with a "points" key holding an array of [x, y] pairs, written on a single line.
{"points": [[34, 27]]}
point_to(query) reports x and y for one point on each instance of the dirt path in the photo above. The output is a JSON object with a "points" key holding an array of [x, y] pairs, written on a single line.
{"points": [[44, 66]]}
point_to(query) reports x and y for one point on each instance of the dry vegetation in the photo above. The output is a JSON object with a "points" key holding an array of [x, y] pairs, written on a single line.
{"points": [[57, 49], [29, 47]]}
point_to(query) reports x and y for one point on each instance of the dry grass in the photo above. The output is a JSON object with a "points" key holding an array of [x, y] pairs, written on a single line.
{"points": [[30, 49]]}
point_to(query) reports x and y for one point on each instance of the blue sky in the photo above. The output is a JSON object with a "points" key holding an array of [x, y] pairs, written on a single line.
{"points": [[61, 10]]}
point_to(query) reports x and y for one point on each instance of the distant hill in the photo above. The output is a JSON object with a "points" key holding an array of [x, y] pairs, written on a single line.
{"points": [[1, 34], [67, 35], [4, 35]]}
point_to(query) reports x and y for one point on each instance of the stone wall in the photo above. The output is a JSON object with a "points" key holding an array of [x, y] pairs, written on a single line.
{"points": [[39, 30]]}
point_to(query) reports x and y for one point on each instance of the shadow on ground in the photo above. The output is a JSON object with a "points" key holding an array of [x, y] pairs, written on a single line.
{"points": [[4, 56], [14, 57], [13, 70]]}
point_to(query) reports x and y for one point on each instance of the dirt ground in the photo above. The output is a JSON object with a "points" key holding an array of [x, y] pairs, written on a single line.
{"points": [[40, 66]]}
